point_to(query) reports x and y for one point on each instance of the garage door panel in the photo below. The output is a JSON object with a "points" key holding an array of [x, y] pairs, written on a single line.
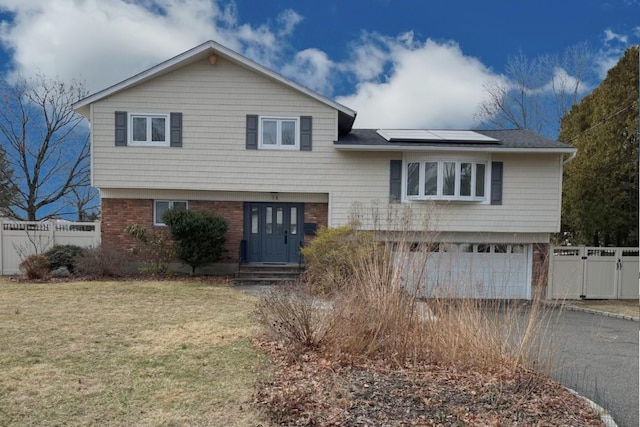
{"points": [[455, 274]]}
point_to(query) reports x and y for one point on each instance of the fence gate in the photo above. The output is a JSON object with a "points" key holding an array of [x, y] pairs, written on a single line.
{"points": [[596, 273]]}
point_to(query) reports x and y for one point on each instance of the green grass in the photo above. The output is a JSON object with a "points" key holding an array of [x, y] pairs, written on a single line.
{"points": [[142, 353]]}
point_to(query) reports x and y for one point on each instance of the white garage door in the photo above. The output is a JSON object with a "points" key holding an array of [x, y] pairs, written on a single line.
{"points": [[491, 271]]}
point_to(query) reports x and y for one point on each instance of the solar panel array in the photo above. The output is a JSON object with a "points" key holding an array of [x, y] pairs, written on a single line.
{"points": [[423, 135]]}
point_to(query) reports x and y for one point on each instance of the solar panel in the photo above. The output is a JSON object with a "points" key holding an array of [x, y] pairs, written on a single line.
{"points": [[423, 135]]}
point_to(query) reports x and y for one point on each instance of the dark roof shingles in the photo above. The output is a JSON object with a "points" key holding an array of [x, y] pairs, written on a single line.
{"points": [[515, 138]]}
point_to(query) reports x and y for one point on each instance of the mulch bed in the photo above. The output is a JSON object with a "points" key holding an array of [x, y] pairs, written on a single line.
{"points": [[306, 389]]}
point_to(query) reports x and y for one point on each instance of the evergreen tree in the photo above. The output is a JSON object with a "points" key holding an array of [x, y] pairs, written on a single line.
{"points": [[600, 201]]}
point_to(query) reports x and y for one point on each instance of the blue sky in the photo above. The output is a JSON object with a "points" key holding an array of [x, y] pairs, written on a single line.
{"points": [[398, 63]]}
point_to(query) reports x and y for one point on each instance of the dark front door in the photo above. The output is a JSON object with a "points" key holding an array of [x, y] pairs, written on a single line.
{"points": [[273, 231]]}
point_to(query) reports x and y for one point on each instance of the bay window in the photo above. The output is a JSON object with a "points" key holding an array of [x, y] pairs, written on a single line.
{"points": [[446, 180]]}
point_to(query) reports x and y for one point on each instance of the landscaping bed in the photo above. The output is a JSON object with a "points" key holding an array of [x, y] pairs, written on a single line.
{"points": [[309, 390]]}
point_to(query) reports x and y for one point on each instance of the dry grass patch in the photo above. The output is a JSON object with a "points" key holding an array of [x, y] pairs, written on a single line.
{"points": [[126, 353]]}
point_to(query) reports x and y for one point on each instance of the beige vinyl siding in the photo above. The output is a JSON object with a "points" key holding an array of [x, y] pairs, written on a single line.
{"points": [[531, 199], [214, 101], [214, 164]]}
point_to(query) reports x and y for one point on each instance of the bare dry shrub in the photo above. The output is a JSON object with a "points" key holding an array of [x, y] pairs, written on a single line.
{"points": [[378, 314], [291, 313], [101, 261], [35, 266]]}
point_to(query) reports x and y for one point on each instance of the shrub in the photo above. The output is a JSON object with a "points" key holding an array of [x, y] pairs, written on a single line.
{"points": [[35, 266], [101, 261], [376, 314], [63, 256], [156, 249], [332, 256], [290, 313], [198, 236]]}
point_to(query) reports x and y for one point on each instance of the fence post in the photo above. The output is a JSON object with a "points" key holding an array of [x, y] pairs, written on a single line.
{"points": [[52, 232], [1, 246]]}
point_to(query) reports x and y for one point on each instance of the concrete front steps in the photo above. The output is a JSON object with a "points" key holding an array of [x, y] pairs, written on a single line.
{"points": [[267, 274]]}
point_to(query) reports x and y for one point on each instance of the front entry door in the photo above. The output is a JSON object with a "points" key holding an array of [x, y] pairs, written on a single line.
{"points": [[273, 231]]}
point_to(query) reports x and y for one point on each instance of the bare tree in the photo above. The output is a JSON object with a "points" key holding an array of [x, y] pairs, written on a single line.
{"points": [[536, 94], [46, 144], [567, 76], [84, 201]]}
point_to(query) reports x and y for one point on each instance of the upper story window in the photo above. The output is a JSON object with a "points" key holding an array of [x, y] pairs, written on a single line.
{"points": [[279, 133], [161, 206], [446, 180], [149, 129]]}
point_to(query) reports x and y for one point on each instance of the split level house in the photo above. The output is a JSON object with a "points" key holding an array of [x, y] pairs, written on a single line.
{"points": [[213, 130]]}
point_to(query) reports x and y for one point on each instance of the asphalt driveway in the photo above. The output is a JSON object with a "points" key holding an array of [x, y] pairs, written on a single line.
{"points": [[597, 356]]}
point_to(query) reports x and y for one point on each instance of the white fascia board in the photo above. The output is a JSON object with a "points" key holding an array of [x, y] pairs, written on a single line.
{"points": [[194, 54], [567, 150]]}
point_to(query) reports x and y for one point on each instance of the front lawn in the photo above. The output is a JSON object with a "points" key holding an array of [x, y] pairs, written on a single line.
{"points": [[144, 353], [182, 353]]}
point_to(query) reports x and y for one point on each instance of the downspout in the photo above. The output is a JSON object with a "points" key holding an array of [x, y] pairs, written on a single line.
{"points": [[571, 157]]}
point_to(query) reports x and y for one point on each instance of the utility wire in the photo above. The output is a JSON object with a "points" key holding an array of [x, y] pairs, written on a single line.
{"points": [[602, 121]]}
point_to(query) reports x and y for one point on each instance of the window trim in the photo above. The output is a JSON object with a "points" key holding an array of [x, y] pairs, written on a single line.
{"points": [[279, 120], [440, 179], [171, 203], [148, 142]]}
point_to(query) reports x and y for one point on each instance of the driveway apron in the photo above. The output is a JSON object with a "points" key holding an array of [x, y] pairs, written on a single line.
{"points": [[597, 356]]}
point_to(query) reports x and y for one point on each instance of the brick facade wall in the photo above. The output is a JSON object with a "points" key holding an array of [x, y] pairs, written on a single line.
{"points": [[117, 214], [317, 213]]}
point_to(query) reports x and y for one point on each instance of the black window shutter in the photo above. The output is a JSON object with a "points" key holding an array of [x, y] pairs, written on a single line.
{"points": [[252, 132], [175, 130], [395, 181], [121, 128], [305, 133], [496, 183]]}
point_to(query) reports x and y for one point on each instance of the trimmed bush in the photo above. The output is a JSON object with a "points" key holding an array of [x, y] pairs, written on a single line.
{"points": [[333, 255], [63, 256], [102, 261], [198, 236], [35, 266]]}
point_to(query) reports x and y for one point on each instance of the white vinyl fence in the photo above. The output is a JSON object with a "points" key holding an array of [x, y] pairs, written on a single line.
{"points": [[594, 273], [20, 239]]}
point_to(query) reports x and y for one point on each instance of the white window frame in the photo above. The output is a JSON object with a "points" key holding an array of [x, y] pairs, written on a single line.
{"points": [[278, 145], [440, 180], [171, 205], [148, 142]]}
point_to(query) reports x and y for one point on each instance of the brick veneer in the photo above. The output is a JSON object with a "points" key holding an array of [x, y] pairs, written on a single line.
{"points": [[317, 213], [117, 214]]}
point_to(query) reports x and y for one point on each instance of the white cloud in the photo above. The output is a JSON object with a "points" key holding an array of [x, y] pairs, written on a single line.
{"points": [[613, 48], [313, 68], [611, 36], [429, 85], [397, 81], [108, 41], [288, 20]]}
